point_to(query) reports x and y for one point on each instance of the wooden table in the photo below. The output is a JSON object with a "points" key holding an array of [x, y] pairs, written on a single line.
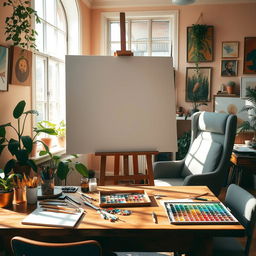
{"points": [[136, 232], [241, 161]]}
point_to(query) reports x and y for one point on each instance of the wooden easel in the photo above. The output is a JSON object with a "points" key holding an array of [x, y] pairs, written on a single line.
{"points": [[136, 176], [123, 51]]}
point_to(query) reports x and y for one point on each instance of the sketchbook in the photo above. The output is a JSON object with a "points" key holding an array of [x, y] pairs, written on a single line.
{"points": [[55, 219]]}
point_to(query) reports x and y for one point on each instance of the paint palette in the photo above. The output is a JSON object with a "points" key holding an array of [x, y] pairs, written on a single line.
{"points": [[124, 198], [199, 213]]}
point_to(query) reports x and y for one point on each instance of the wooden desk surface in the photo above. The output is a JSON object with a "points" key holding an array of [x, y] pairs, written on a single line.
{"points": [[134, 232], [243, 160]]}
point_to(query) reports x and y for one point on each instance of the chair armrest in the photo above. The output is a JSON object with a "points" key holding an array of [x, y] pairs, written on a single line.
{"points": [[167, 169], [212, 180]]}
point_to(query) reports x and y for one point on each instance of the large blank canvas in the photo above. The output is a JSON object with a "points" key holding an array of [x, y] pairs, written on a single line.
{"points": [[120, 104]]}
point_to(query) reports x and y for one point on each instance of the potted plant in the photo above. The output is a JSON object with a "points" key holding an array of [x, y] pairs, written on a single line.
{"points": [[231, 87], [251, 109], [6, 190], [18, 26], [61, 168], [59, 131], [183, 145], [21, 145]]}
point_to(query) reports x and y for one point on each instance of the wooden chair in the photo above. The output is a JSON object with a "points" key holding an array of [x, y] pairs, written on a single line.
{"points": [[136, 177], [26, 247]]}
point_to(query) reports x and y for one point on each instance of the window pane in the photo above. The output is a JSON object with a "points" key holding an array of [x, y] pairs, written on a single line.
{"points": [[40, 79], [53, 80], [160, 48], [115, 31], [140, 49], [50, 11], [160, 30], [139, 30], [61, 19], [40, 37], [51, 40], [39, 8], [40, 107], [62, 45]]}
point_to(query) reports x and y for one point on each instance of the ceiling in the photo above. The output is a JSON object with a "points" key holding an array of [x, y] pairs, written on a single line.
{"points": [[137, 3]]}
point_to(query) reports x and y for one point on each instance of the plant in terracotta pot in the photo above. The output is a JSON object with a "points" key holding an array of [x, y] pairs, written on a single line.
{"points": [[6, 189], [231, 87], [20, 145]]}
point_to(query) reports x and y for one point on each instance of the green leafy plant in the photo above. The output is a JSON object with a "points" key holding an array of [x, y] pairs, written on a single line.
{"points": [[6, 183], [251, 109], [59, 129], [19, 25], [20, 146], [183, 145], [63, 167]]}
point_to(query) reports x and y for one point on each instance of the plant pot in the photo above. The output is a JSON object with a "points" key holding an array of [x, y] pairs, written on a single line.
{"points": [[34, 150], [47, 141], [62, 141], [22, 169], [6, 199], [230, 89]]}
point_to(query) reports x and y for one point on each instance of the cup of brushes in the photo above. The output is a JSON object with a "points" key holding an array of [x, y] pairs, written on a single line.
{"points": [[31, 183], [47, 177]]}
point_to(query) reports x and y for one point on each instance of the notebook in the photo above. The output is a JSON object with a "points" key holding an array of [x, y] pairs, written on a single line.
{"points": [[55, 219]]}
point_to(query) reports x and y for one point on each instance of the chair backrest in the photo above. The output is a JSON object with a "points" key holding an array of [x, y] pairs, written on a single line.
{"points": [[243, 205], [26, 247], [212, 141]]}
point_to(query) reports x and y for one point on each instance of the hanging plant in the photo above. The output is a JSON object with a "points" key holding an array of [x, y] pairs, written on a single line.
{"points": [[19, 25]]}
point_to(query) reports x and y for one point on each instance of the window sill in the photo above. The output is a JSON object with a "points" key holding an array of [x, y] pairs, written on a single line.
{"points": [[55, 151]]}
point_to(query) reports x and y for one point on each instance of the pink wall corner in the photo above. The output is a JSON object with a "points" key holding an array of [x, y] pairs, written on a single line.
{"points": [[15, 93], [232, 22], [85, 18]]}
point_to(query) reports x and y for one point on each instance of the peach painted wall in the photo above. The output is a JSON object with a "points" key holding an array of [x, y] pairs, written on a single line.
{"points": [[85, 18], [8, 100], [232, 22]]}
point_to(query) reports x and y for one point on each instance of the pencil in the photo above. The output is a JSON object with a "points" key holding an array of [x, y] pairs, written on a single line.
{"points": [[59, 208]]}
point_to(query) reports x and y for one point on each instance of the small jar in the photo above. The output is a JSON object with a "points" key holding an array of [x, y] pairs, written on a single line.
{"points": [[47, 187], [92, 184], [84, 184]]}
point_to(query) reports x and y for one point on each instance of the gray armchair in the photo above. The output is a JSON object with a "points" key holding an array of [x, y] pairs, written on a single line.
{"points": [[207, 160]]}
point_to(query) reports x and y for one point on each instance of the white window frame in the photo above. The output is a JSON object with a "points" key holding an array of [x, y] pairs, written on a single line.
{"points": [[172, 16]]}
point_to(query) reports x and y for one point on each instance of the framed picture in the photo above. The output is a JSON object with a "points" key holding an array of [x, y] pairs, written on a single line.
{"points": [[21, 67], [206, 53], [198, 85], [229, 67], [245, 83], [230, 49], [250, 55], [4, 54], [230, 105]]}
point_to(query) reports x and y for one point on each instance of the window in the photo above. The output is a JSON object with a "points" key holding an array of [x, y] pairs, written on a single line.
{"points": [[147, 33], [49, 61]]}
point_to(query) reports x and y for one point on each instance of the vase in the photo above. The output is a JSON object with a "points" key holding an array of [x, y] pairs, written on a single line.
{"points": [[19, 195], [31, 195], [47, 187], [6, 199]]}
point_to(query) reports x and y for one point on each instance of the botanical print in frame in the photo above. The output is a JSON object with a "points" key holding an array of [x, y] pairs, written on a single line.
{"points": [[229, 67], [198, 84], [230, 49], [250, 55], [206, 51], [230, 105], [21, 67], [4, 53], [245, 83]]}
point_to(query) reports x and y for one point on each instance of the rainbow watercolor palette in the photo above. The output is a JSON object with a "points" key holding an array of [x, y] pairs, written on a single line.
{"points": [[124, 198], [199, 213]]}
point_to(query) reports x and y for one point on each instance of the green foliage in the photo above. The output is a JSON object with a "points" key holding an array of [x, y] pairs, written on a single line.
{"points": [[19, 25], [231, 83], [251, 109], [21, 145], [63, 167], [6, 183], [59, 129], [183, 145]]}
